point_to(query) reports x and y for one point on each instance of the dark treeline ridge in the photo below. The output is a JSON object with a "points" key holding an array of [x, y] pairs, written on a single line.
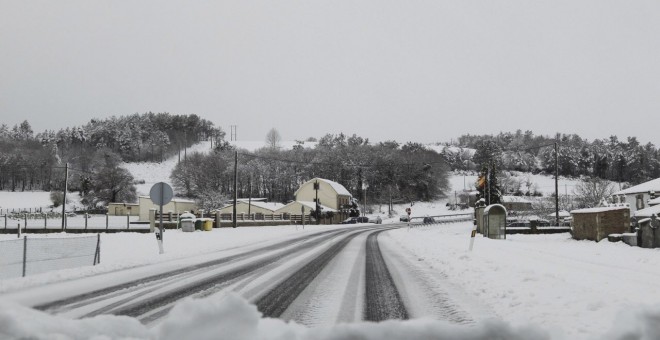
{"points": [[407, 173], [30, 161], [607, 158]]}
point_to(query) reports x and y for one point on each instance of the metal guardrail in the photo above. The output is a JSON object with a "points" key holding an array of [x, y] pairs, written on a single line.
{"points": [[52, 223], [440, 219]]}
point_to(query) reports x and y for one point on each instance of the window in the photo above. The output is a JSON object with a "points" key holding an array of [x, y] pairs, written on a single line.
{"points": [[639, 200]]}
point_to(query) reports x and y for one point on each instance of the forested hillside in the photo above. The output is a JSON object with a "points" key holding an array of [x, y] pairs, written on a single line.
{"points": [[607, 158], [30, 161]]}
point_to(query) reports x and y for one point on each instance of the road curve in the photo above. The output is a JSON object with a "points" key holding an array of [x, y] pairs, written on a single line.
{"points": [[313, 277]]}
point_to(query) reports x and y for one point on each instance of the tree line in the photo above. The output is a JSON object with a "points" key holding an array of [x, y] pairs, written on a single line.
{"points": [[608, 158], [403, 172]]}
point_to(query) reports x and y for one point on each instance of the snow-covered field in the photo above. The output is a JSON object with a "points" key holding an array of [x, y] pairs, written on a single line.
{"points": [[154, 172]]}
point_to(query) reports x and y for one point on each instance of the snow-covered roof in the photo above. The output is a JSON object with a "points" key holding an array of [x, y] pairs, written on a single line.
{"points": [[514, 199], [596, 210], [175, 199], [254, 199], [647, 212], [336, 186], [272, 206], [653, 185], [562, 213], [654, 201]]}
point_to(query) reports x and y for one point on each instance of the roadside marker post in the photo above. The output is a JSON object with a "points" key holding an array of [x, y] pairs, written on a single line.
{"points": [[474, 234]]}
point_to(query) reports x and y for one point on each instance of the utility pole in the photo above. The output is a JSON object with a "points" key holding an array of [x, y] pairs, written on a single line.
{"points": [[233, 133], [185, 147], [66, 187], [557, 182], [389, 208], [250, 197], [235, 187], [488, 182], [318, 212], [365, 202]]}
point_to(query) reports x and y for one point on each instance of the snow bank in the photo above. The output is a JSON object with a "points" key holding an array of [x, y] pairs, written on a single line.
{"points": [[231, 317], [234, 318]]}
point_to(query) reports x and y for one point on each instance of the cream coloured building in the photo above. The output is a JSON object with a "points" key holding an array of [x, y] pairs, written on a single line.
{"points": [[330, 194], [176, 206]]}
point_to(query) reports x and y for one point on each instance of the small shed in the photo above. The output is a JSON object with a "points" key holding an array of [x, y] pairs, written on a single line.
{"points": [[516, 203], [494, 223], [123, 209], [596, 223]]}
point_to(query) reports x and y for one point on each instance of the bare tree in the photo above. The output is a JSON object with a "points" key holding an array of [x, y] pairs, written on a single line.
{"points": [[273, 139], [592, 191]]}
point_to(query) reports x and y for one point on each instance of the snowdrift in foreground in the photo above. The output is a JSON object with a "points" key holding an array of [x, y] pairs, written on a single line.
{"points": [[232, 317]]}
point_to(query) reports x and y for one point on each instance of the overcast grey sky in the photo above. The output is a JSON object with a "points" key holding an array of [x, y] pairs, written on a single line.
{"points": [[406, 70]]}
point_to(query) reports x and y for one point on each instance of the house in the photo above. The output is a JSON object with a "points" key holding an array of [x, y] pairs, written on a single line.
{"points": [[333, 199], [123, 209], [176, 206], [638, 196], [329, 194], [516, 203]]}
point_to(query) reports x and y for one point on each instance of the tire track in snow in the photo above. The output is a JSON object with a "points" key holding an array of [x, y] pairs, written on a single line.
{"points": [[278, 299], [201, 285], [135, 287], [383, 301]]}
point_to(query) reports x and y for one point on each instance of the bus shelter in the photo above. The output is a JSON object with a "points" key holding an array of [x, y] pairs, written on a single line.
{"points": [[494, 221]]}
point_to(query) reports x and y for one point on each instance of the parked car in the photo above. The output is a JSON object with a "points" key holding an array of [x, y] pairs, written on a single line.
{"points": [[428, 220], [404, 218], [518, 225], [376, 220], [353, 220]]}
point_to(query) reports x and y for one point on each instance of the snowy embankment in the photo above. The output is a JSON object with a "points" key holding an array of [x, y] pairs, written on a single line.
{"points": [[154, 172]]}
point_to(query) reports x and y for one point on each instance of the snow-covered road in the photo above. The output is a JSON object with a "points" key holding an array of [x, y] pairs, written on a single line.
{"points": [[317, 279]]}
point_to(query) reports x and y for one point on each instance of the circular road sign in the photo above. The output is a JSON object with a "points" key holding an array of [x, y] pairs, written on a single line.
{"points": [[408, 210], [161, 193]]}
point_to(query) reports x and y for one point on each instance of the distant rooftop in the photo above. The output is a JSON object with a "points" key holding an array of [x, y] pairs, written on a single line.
{"points": [[653, 185]]}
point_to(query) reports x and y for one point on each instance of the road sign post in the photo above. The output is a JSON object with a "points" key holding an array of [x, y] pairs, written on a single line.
{"points": [[161, 193], [409, 211]]}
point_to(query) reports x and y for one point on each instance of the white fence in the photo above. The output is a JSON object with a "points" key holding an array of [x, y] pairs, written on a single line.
{"points": [[27, 256]]}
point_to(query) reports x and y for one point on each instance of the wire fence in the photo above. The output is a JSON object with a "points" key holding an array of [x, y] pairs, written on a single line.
{"points": [[28, 256]]}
